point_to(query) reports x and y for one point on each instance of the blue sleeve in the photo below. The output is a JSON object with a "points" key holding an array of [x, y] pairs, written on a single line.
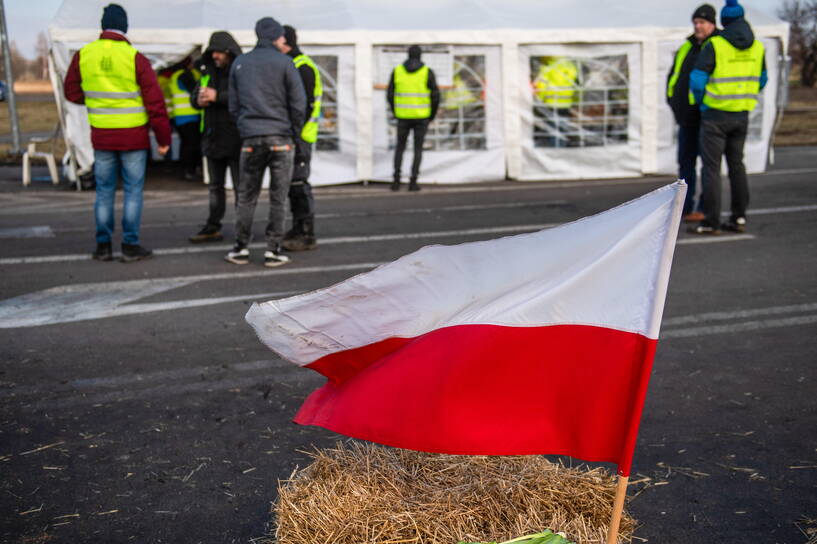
{"points": [[764, 78], [697, 84]]}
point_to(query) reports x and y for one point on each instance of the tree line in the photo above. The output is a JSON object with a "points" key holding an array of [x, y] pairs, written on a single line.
{"points": [[802, 18], [24, 68]]}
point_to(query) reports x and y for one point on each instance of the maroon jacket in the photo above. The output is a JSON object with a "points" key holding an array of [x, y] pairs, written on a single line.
{"points": [[125, 139]]}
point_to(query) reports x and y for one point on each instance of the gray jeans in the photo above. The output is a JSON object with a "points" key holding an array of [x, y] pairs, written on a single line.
{"points": [[257, 154]]}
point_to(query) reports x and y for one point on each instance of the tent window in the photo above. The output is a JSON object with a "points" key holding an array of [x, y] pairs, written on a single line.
{"points": [[579, 102], [460, 121], [328, 134]]}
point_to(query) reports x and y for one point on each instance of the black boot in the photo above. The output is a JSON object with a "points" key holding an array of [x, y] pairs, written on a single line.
{"points": [[104, 252], [134, 252], [302, 236], [413, 185], [395, 185]]}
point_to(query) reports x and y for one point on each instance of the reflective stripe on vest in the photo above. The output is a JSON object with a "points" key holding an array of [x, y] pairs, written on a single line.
{"points": [[112, 94], [309, 133], [734, 84], [180, 99], [680, 57], [555, 85], [412, 97]]}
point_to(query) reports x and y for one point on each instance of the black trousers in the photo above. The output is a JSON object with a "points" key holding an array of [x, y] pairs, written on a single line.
{"points": [[217, 170], [190, 148], [718, 138], [419, 127], [301, 201]]}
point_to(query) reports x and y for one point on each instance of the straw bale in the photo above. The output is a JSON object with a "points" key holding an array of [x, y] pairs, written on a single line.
{"points": [[363, 493]]}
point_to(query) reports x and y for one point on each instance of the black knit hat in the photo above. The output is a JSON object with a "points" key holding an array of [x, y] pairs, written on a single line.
{"points": [[114, 17], [290, 36], [268, 28], [706, 12]]}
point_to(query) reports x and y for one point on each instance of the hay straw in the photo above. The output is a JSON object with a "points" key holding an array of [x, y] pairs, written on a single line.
{"points": [[362, 493]]}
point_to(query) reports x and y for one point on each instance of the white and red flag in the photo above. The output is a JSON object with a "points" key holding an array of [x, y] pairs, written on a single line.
{"points": [[540, 343]]}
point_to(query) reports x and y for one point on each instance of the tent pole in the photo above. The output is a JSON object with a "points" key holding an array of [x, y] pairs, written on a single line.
{"points": [[618, 508], [12, 98]]}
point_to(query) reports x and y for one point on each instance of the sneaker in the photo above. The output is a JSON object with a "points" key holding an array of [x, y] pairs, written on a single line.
{"points": [[134, 252], [104, 252], [274, 258], [694, 217], [735, 225], [301, 242], [238, 255], [703, 229], [208, 234]]}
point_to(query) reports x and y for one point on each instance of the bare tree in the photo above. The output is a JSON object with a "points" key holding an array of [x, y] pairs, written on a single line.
{"points": [[802, 17], [42, 56], [20, 65]]}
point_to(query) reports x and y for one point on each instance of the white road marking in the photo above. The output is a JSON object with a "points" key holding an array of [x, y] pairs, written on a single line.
{"points": [[43, 231], [191, 249], [746, 326]]}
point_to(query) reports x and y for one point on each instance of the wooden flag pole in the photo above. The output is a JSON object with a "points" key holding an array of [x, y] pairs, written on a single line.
{"points": [[618, 508]]}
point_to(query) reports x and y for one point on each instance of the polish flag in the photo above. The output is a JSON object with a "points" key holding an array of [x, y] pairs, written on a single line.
{"points": [[540, 343]]}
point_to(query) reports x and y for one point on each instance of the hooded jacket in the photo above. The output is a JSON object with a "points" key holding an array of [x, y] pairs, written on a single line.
{"points": [[412, 65], [739, 34], [219, 139], [266, 93]]}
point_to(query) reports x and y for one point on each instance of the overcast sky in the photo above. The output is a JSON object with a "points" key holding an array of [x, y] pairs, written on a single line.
{"points": [[26, 18]]}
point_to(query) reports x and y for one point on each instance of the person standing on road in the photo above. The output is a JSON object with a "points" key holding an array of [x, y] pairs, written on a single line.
{"points": [[220, 141], [186, 118], [413, 97], [687, 114], [302, 204], [728, 76], [119, 88], [267, 101]]}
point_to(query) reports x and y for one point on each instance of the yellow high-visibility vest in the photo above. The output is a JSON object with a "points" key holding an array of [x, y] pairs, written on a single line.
{"points": [[555, 85], [164, 84], [458, 97], [309, 133], [735, 82], [112, 94], [180, 98], [680, 57], [412, 97]]}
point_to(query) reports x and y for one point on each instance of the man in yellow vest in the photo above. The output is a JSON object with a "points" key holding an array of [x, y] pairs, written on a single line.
{"points": [[555, 87], [726, 81], [118, 86], [413, 97], [186, 118], [301, 202], [686, 112]]}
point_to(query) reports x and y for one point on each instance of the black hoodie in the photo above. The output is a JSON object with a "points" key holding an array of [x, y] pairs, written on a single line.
{"points": [[220, 139], [412, 65], [685, 113]]}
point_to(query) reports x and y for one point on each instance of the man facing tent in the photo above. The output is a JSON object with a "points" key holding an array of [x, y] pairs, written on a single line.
{"points": [[413, 97], [118, 86]]}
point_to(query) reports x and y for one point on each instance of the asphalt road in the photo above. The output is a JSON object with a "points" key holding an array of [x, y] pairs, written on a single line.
{"points": [[136, 405]]}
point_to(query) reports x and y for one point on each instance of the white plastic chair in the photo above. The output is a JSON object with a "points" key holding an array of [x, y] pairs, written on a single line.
{"points": [[32, 153]]}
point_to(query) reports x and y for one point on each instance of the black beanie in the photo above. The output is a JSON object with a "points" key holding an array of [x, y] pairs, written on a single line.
{"points": [[268, 28], [290, 36], [114, 17], [706, 12], [414, 52]]}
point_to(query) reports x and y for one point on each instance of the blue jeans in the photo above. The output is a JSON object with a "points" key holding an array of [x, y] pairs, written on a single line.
{"points": [[687, 162], [108, 166]]}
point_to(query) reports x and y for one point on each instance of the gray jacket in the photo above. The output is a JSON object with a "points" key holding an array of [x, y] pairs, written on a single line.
{"points": [[266, 93]]}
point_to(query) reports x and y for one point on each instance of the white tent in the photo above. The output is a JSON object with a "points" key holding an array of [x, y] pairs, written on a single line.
{"points": [[486, 55]]}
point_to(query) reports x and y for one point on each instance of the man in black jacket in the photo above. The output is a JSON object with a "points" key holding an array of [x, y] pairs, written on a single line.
{"points": [[687, 115], [220, 141], [414, 98], [267, 101]]}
